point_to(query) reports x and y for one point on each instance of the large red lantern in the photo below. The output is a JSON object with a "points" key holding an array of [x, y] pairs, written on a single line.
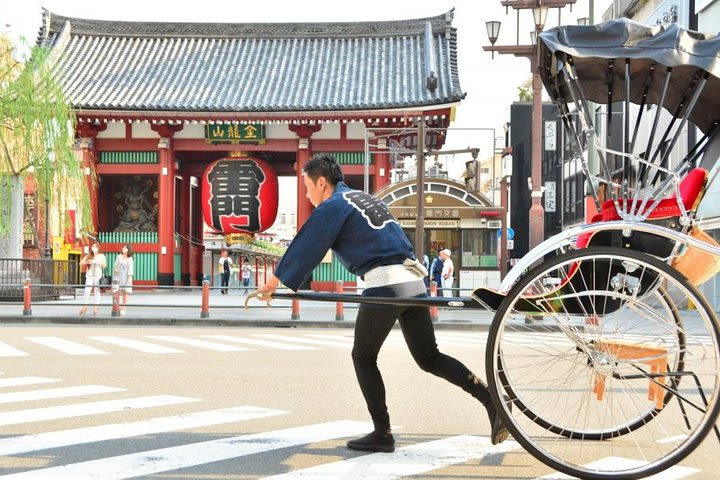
{"points": [[240, 195]]}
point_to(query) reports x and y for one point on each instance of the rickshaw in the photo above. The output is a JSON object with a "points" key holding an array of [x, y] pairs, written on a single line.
{"points": [[603, 356]]}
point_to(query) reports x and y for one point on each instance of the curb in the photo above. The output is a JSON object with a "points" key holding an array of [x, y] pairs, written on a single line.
{"points": [[220, 322], [210, 322]]}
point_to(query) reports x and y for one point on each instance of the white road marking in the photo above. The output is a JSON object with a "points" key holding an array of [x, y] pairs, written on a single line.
{"points": [[183, 456], [389, 341], [100, 433], [260, 343], [219, 347], [310, 341], [615, 464], [412, 460], [21, 381], [57, 393], [9, 351], [137, 344], [89, 408], [66, 346], [676, 438]]}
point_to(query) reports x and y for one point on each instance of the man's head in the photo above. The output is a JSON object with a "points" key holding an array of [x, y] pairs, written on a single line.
{"points": [[320, 175], [445, 254]]}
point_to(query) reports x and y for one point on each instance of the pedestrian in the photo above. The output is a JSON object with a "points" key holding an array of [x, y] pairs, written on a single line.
{"points": [[426, 264], [224, 265], [246, 274], [370, 243], [436, 271], [448, 270], [122, 278], [94, 261]]}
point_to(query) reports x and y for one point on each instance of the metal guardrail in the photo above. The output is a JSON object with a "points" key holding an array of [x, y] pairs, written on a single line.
{"points": [[29, 293], [53, 277]]}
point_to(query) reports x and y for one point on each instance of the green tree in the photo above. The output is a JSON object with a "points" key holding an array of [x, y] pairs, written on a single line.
{"points": [[525, 94], [37, 131]]}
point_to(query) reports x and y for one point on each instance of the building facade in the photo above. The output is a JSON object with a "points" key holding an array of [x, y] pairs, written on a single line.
{"points": [[157, 102]]}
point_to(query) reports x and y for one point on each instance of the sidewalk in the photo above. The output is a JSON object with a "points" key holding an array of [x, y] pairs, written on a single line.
{"points": [[178, 307]]}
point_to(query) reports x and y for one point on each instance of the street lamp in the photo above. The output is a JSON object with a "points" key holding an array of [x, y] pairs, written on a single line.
{"points": [[493, 30], [539, 10], [539, 16]]}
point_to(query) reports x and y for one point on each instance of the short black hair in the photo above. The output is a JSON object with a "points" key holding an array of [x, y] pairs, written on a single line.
{"points": [[324, 165]]}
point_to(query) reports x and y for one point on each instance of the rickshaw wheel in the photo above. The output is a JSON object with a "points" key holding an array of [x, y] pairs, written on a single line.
{"points": [[607, 358]]}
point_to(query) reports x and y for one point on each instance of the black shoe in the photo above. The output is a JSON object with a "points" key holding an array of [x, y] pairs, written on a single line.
{"points": [[498, 431], [373, 442]]}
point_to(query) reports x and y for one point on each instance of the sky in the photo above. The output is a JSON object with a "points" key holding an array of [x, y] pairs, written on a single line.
{"points": [[491, 84]]}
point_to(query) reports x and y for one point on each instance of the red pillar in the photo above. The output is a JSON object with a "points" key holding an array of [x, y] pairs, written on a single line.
{"points": [[257, 271], [304, 132], [86, 133], [382, 165], [166, 214]]}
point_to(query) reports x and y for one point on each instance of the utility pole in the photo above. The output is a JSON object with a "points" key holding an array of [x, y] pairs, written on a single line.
{"points": [[539, 9], [420, 220]]}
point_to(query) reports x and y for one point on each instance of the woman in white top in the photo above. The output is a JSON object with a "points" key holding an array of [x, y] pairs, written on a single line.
{"points": [[95, 263], [447, 273], [123, 272]]}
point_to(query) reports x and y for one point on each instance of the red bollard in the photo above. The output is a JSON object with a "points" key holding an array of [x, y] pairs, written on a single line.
{"points": [[433, 310], [339, 313], [205, 307], [116, 302], [295, 315], [27, 297]]}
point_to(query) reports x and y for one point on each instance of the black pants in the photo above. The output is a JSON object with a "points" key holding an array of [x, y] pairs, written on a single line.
{"points": [[372, 327], [224, 281]]}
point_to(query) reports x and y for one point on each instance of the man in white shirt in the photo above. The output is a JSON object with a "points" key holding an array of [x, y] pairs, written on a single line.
{"points": [[448, 271], [224, 266]]}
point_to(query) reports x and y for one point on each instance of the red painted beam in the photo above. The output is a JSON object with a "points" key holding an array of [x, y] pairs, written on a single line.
{"points": [[124, 169]]}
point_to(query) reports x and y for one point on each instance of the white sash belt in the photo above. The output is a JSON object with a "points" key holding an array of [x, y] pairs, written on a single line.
{"points": [[390, 275]]}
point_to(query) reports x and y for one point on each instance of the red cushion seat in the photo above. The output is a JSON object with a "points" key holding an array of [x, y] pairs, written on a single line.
{"points": [[690, 189]]}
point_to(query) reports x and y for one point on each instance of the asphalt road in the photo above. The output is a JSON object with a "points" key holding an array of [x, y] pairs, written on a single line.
{"points": [[241, 403]]}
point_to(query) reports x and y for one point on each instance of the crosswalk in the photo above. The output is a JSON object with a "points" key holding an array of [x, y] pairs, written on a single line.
{"points": [[179, 344], [120, 450]]}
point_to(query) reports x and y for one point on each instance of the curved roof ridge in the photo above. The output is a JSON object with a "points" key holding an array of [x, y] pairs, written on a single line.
{"points": [[106, 28]]}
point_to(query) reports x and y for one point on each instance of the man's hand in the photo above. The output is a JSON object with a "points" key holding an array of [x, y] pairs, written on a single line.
{"points": [[264, 292]]}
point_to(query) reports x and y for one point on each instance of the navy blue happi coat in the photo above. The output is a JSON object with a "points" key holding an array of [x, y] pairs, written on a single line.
{"points": [[357, 227]]}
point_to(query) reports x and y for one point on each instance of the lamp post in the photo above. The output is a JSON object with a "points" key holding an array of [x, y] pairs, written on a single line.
{"points": [[539, 10]]}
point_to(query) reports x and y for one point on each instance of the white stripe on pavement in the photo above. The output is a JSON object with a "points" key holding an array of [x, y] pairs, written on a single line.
{"points": [[412, 460], [21, 381], [260, 343], [389, 341], [283, 338], [137, 344], [100, 433], [66, 346], [183, 456], [219, 347], [676, 438], [614, 464], [57, 393], [89, 408], [9, 351]]}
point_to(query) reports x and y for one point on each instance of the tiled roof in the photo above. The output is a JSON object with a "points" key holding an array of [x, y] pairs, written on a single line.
{"points": [[254, 67]]}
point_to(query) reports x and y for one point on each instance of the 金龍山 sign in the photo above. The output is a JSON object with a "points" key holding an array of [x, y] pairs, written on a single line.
{"points": [[235, 133]]}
